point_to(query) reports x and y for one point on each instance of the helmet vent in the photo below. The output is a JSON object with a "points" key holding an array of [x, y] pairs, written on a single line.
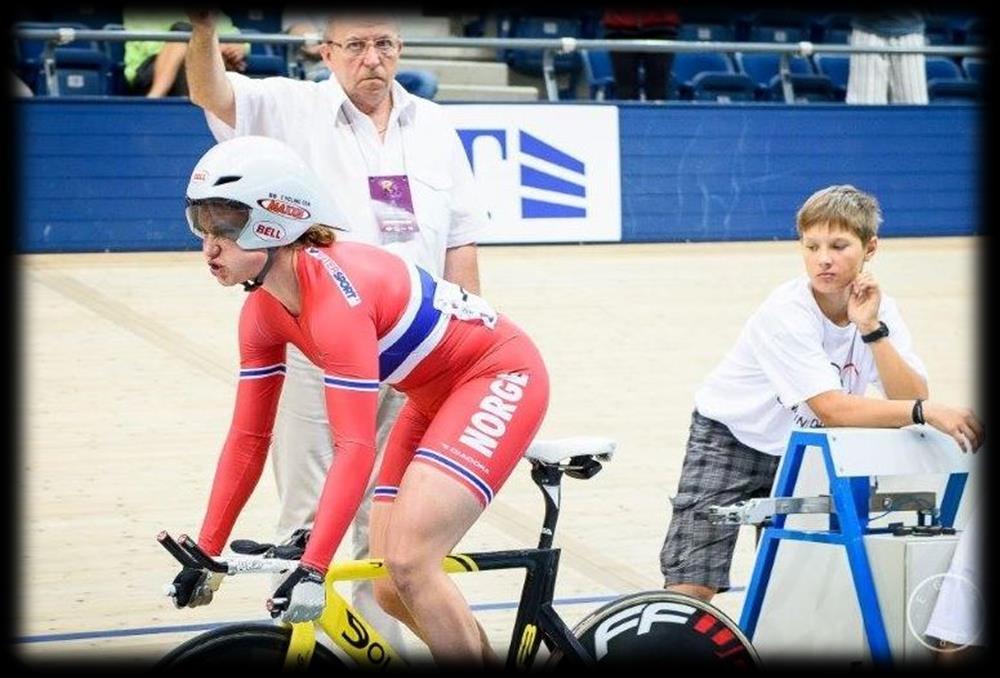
{"points": [[226, 180]]}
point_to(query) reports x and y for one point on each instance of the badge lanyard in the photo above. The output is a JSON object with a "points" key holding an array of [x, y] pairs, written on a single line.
{"points": [[391, 198]]}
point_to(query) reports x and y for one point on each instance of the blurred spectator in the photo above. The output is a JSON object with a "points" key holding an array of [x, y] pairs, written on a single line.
{"points": [[18, 88], [303, 21], [620, 24], [887, 78], [155, 68], [957, 619]]}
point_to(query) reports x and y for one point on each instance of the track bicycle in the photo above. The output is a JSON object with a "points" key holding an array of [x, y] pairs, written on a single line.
{"points": [[645, 626]]}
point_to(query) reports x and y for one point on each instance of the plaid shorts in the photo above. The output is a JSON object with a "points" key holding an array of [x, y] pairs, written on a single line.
{"points": [[718, 469]]}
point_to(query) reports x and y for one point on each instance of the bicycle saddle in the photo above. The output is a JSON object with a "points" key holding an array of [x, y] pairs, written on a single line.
{"points": [[553, 452]]}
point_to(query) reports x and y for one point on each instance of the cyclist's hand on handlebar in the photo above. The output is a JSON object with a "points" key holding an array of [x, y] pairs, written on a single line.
{"points": [[301, 596], [193, 587]]}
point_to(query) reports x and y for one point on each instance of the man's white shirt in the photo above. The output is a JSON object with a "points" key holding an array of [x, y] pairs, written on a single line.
{"points": [[341, 145]]}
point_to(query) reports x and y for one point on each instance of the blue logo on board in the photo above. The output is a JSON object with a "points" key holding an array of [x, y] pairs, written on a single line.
{"points": [[532, 177]]}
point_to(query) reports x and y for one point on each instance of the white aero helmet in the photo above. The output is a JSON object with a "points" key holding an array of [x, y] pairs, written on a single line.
{"points": [[258, 192]]}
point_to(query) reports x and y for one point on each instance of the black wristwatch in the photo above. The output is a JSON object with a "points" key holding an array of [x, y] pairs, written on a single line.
{"points": [[875, 335]]}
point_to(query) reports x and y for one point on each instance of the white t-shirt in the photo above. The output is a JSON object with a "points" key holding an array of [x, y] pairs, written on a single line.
{"points": [[788, 352], [341, 145]]}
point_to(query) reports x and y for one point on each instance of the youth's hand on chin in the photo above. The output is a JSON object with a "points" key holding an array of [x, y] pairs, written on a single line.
{"points": [[863, 302]]}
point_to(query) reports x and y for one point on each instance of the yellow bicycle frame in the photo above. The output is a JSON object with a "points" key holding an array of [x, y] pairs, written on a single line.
{"points": [[346, 627]]}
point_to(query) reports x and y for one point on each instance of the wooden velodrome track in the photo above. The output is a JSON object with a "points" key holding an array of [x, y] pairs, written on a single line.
{"points": [[129, 367]]}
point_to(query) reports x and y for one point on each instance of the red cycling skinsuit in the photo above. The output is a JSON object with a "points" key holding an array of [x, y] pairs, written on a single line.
{"points": [[477, 387]]}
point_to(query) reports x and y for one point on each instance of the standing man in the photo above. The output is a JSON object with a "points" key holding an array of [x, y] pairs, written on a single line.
{"points": [[641, 24], [887, 78], [395, 165]]}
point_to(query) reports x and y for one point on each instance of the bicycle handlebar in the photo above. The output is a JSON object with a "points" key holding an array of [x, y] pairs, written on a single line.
{"points": [[189, 554]]}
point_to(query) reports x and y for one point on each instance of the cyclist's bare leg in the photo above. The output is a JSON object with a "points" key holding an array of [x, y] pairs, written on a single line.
{"points": [[385, 591], [432, 512], [703, 593], [490, 657]]}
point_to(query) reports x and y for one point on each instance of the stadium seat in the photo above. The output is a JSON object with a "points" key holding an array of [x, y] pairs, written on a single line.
{"points": [[708, 76], [973, 67], [529, 61], [716, 32], [697, 22], [763, 69], [941, 67], [28, 53], [268, 48], [599, 73], [267, 59], [686, 65], [837, 67], [81, 66], [945, 83], [721, 87], [418, 82], [778, 26], [265, 65], [115, 51], [79, 72], [832, 29], [421, 83]]}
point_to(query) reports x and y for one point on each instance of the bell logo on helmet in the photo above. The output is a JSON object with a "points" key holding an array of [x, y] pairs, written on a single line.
{"points": [[267, 230], [284, 209], [199, 175]]}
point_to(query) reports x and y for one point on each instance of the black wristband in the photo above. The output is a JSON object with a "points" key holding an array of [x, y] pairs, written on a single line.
{"points": [[876, 334], [918, 411]]}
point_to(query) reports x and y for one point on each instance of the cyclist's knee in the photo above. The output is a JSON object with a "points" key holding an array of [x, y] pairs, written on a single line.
{"points": [[407, 571], [388, 599]]}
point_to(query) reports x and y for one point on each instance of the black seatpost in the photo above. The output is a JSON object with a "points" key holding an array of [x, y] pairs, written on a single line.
{"points": [[548, 479]]}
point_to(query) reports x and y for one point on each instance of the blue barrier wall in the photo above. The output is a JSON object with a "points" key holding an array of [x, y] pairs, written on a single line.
{"points": [[727, 172], [99, 174]]}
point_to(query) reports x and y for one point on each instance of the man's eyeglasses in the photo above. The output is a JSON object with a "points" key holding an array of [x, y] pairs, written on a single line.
{"points": [[355, 48]]}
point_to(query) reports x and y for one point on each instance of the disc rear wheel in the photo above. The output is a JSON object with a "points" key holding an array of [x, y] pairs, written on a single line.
{"points": [[667, 629]]}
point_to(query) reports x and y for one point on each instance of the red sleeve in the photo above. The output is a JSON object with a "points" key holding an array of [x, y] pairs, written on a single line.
{"points": [[262, 373], [348, 344]]}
